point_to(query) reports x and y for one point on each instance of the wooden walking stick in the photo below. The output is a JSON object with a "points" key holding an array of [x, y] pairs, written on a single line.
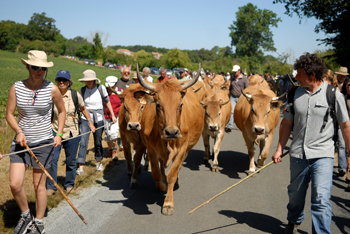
{"points": [[262, 168], [54, 182]]}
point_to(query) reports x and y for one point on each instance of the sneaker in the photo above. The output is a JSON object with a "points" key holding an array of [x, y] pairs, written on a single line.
{"points": [[50, 192], [228, 129], [37, 228], [341, 173], [79, 171], [23, 224], [99, 166], [292, 228]]}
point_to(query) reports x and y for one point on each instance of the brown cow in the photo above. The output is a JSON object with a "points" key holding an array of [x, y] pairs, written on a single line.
{"points": [[257, 114], [129, 126], [173, 125], [217, 115], [256, 79]]}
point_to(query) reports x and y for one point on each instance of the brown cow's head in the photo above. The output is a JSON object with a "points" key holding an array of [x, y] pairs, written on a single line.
{"points": [[261, 105], [168, 97], [134, 102], [212, 108]]}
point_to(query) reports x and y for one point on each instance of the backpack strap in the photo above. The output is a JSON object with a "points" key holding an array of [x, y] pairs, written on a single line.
{"points": [[75, 100], [330, 95], [290, 100], [83, 89]]}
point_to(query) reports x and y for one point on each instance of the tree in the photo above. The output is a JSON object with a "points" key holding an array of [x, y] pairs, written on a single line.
{"points": [[335, 20], [41, 28], [251, 31], [11, 34], [176, 58], [97, 48], [84, 51], [143, 58]]}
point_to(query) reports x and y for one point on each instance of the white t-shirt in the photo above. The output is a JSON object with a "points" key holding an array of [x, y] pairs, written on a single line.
{"points": [[93, 101]]}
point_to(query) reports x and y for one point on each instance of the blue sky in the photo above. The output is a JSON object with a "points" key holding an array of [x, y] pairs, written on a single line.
{"points": [[169, 24]]}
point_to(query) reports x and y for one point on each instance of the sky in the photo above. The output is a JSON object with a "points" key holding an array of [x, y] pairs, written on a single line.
{"points": [[169, 24]]}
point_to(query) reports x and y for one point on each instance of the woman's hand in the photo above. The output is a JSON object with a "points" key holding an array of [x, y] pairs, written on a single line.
{"points": [[21, 138], [92, 126], [114, 119], [57, 140]]}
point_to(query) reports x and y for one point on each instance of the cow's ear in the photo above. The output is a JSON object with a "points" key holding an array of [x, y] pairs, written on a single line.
{"points": [[223, 103], [144, 97], [276, 105]]}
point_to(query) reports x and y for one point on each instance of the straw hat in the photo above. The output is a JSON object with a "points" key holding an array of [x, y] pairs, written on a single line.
{"points": [[89, 75], [110, 81], [342, 71], [37, 58], [134, 76]]}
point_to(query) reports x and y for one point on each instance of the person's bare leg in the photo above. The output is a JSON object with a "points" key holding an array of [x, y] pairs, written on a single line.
{"points": [[17, 173], [39, 180]]}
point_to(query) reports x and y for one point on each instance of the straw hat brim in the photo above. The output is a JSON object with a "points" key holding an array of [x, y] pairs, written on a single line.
{"points": [[37, 63], [342, 73], [89, 79]]}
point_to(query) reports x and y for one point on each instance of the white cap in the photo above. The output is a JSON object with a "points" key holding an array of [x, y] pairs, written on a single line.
{"points": [[294, 73], [110, 81], [236, 68]]}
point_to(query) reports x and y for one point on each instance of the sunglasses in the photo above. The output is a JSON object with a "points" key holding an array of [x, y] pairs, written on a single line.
{"points": [[61, 80], [33, 98], [126, 73], [36, 68]]}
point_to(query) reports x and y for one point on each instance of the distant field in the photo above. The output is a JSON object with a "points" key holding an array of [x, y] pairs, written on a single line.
{"points": [[12, 70]]}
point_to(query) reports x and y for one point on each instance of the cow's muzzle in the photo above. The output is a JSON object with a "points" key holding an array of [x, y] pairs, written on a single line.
{"points": [[172, 133], [135, 126], [259, 130], [213, 127]]}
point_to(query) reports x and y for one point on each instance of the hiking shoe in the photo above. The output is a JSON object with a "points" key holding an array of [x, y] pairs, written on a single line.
{"points": [[228, 129], [292, 228], [23, 224], [50, 192], [341, 173], [99, 166], [79, 171], [37, 228]]}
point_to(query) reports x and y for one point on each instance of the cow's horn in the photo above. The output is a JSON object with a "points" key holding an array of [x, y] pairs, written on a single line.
{"points": [[247, 95], [193, 81], [278, 98], [142, 82], [223, 84]]}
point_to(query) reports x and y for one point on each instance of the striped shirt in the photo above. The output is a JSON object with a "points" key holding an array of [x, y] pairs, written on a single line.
{"points": [[34, 118]]}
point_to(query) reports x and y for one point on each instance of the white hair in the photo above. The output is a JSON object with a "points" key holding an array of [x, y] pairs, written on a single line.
{"points": [[146, 69]]}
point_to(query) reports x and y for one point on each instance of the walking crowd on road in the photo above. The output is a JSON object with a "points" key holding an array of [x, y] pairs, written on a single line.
{"points": [[52, 116]]}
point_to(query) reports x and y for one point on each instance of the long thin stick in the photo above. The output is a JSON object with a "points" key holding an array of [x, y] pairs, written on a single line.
{"points": [[232, 186], [54, 182]]}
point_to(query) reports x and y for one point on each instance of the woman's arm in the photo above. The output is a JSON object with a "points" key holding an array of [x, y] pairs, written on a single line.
{"points": [[58, 101], [10, 116], [87, 116], [109, 106]]}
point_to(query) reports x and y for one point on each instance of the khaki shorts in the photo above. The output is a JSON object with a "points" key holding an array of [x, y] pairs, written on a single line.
{"points": [[44, 154]]}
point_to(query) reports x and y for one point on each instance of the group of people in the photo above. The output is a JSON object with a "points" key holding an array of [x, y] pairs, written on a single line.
{"points": [[48, 119]]}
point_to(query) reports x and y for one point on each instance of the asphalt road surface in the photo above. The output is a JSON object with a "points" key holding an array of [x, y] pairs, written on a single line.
{"points": [[258, 205]]}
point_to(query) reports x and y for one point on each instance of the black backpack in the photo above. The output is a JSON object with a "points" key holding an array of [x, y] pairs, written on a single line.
{"points": [[330, 95]]}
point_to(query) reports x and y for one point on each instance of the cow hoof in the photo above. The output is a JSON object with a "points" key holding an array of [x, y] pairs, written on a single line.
{"points": [[215, 168], [205, 161], [260, 163], [251, 172], [167, 210], [129, 174]]}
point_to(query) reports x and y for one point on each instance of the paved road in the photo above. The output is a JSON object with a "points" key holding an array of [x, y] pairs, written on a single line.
{"points": [[256, 206]]}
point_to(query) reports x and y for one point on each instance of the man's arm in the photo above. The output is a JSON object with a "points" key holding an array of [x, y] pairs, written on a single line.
{"points": [[284, 133]]}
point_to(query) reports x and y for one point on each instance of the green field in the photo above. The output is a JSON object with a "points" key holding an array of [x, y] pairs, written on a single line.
{"points": [[12, 70]]}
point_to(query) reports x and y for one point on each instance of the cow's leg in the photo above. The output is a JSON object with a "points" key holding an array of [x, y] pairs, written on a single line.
{"points": [[168, 206], [140, 150], [205, 137], [217, 145], [251, 153], [127, 154], [265, 149], [156, 172]]}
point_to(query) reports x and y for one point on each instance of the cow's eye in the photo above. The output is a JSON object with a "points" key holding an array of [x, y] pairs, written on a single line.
{"points": [[181, 105], [158, 106], [253, 110], [268, 112], [206, 113], [125, 108], [219, 113], [141, 109]]}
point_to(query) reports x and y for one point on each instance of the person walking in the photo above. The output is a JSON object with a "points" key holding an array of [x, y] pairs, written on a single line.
{"points": [[112, 135], [33, 98], [71, 98], [238, 83], [94, 95], [125, 81], [312, 148]]}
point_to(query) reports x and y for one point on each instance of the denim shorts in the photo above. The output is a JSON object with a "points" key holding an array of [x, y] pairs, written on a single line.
{"points": [[44, 154]]}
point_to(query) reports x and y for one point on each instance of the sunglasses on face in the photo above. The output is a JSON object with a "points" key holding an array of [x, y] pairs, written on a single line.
{"points": [[35, 68], [126, 73], [61, 80]]}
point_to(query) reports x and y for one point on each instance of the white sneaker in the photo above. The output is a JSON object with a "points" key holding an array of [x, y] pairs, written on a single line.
{"points": [[99, 166], [79, 171]]}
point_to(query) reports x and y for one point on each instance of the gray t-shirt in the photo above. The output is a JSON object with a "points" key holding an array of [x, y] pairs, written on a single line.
{"points": [[237, 85], [310, 110]]}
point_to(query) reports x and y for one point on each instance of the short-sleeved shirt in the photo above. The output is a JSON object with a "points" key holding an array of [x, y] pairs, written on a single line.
{"points": [[310, 110], [94, 102], [149, 78], [71, 125], [161, 79], [237, 85], [124, 84]]}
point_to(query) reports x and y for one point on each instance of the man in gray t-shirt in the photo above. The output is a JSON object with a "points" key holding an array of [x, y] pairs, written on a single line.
{"points": [[125, 81], [238, 83], [312, 148]]}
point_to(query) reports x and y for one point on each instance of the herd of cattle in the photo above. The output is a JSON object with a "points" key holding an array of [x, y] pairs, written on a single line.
{"points": [[167, 119]]}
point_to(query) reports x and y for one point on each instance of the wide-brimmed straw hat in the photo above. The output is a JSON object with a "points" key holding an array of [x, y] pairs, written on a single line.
{"points": [[89, 75], [37, 58], [134, 76], [342, 71]]}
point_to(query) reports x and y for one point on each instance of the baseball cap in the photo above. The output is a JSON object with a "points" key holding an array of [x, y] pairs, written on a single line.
{"points": [[64, 74], [181, 70], [110, 81], [236, 68]]}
